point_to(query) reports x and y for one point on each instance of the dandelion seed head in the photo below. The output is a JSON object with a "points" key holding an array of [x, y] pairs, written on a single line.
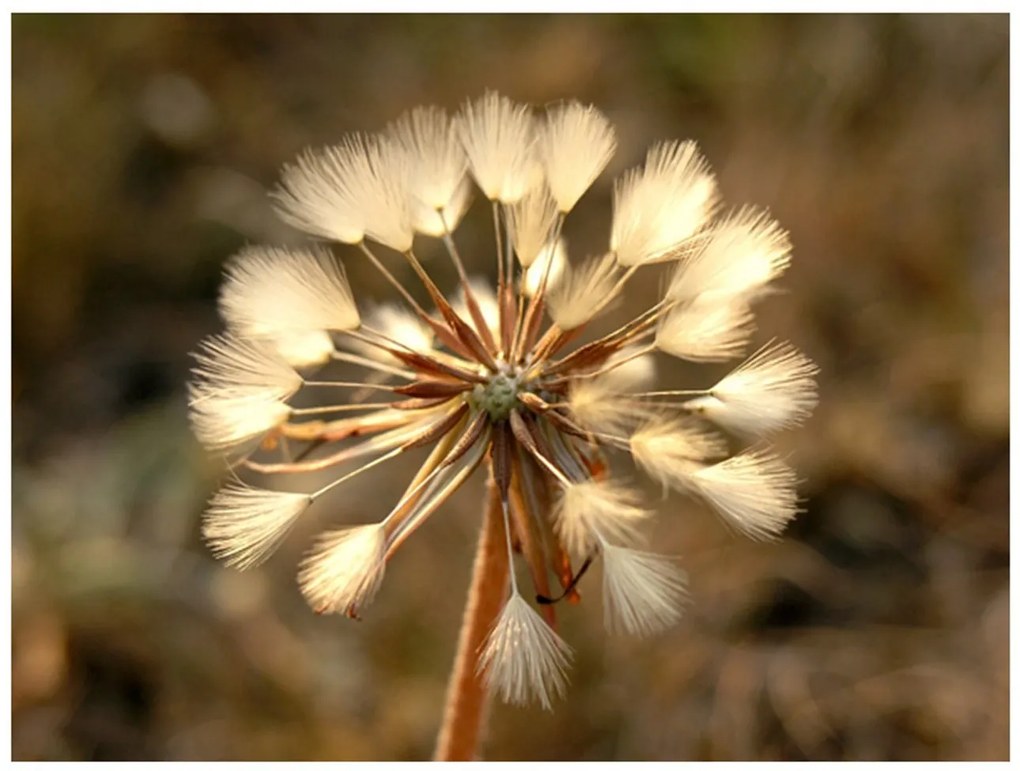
{"points": [[499, 372]]}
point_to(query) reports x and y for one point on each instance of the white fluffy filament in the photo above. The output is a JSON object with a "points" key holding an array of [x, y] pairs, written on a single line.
{"points": [[583, 292], [231, 367], [533, 274], [523, 659], [243, 525], [532, 220], [706, 329], [643, 593], [740, 256], [754, 491], [772, 390], [600, 404], [436, 160], [498, 137], [658, 207], [591, 510], [397, 324], [277, 293], [304, 349], [670, 450], [345, 192], [231, 423], [574, 144], [344, 570]]}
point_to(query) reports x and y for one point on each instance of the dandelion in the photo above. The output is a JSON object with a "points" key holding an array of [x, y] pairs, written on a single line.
{"points": [[498, 374]]}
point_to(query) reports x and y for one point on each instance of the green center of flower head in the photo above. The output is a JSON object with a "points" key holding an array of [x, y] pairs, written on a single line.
{"points": [[499, 396]]}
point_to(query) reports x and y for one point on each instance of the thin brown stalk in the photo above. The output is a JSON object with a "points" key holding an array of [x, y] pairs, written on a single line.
{"points": [[467, 695]]}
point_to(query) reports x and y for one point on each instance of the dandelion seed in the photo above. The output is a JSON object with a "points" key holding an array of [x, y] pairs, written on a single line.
{"points": [[523, 659], [498, 137], [740, 256], [575, 143], [670, 450], [345, 569], [582, 292], [772, 390], [658, 207], [274, 293], [644, 593], [592, 510], [244, 524], [755, 491]]}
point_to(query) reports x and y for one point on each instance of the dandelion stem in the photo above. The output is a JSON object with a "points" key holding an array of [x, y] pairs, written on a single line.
{"points": [[467, 696]]}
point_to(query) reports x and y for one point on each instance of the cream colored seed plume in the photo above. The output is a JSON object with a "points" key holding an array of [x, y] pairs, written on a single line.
{"points": [[399, 325], [600, 404], [583, 292], [243, 525], [706, 329], [271, 292], [772, 390], [344, 570], [498, 137], [533, 274], [669, 450], [575, 143], [436, 160], [231, 366], [304, 349], [739, 258], [658, 207], [431, 222], [523, 659], [591, 510], [230, 423], [350, 191], [623, 371], [754, 491], [643, 593], [531, 224]]}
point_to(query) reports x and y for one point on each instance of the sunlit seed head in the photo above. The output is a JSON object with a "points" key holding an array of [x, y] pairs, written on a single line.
{"points": [[511, 373]]}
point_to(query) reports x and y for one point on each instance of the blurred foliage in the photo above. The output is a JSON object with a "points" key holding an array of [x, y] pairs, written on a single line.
{"points": [[142, 150]]}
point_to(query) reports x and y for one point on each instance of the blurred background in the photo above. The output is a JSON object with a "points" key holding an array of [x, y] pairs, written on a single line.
{"points": [[143, 147]]}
